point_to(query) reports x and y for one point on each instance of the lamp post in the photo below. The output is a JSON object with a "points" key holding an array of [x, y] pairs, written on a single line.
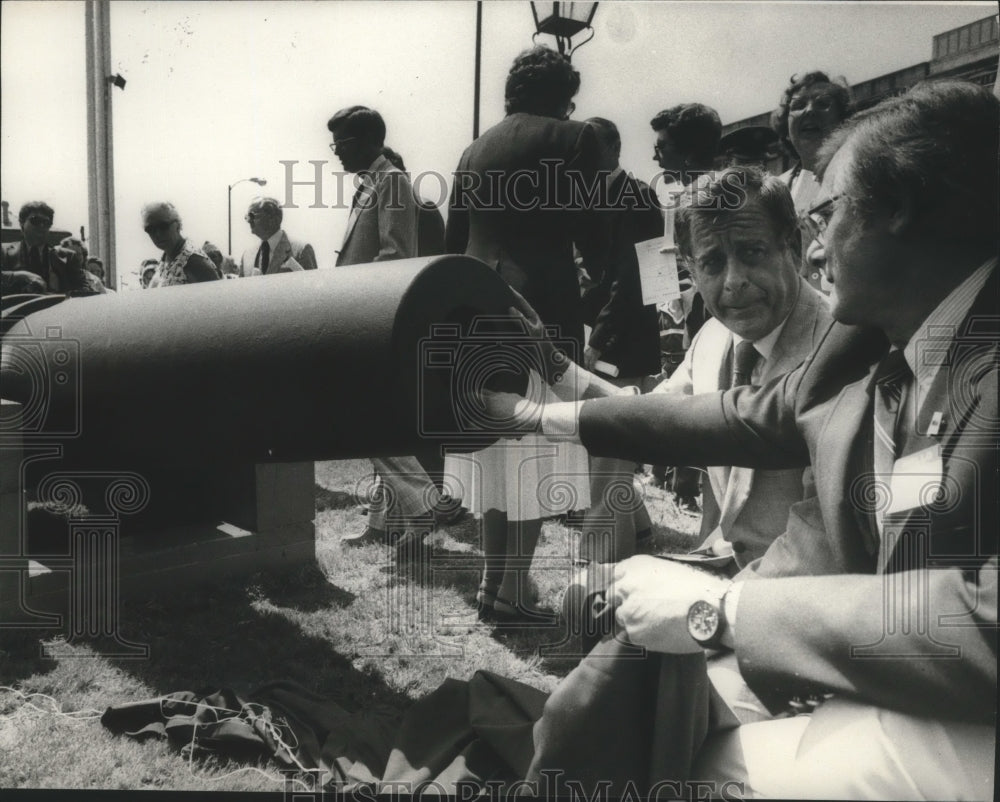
{"points": [[229, 208], [564, 21]]}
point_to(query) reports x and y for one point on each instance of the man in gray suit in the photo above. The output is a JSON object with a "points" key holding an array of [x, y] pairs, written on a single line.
{"points": [[277, 252], [383, 220], [765, 321], [382, 226]]}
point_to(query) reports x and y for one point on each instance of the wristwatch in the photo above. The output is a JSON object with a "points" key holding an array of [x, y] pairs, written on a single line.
{"points": [[706, 621]]}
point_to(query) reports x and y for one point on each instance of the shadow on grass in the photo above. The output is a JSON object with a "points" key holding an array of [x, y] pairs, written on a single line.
{"points": [[327, 499], [305, 589], [235, 635]]}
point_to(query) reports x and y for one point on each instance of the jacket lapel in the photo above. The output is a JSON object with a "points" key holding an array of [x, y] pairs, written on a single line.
{"points": [[368, 181], [281, 253], [785, 356], [956, 525]]}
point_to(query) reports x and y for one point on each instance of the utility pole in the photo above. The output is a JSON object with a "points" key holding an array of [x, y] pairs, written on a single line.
{"points": [[100, 150]]}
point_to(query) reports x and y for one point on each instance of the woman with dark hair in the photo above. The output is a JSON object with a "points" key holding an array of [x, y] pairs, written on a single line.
{"points": [[514, 206], [812, 105]]}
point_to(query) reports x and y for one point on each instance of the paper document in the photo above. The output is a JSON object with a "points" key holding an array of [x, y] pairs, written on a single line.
{"points": [[657, 271]]}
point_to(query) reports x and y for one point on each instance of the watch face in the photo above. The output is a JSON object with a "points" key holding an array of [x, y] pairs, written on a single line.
{"points": [[703, 621]]}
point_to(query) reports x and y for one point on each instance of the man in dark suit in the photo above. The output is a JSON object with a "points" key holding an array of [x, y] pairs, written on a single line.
{"points": [[60, 269], [879, 602], [519, 200], [277, 252], [624, 339]]}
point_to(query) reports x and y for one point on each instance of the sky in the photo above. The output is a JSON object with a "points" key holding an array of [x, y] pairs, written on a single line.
{"points": [[221, 91]]}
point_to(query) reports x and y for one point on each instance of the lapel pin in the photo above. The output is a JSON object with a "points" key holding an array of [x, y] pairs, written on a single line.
{"points": [[936, 424]]}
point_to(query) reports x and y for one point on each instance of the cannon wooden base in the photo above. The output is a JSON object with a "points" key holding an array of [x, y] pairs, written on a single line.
{"points": [[166, 564], [69, 573]]}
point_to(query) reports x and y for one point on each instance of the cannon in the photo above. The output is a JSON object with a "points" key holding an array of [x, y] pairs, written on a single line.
{"points": [[217, 397]]}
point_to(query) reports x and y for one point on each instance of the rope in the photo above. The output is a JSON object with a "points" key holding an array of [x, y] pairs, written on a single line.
{"points": [[28, 704]]}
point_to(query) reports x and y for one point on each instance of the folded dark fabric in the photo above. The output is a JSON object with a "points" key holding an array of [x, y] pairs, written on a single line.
{"points": [[463, 732], [624, 721]]}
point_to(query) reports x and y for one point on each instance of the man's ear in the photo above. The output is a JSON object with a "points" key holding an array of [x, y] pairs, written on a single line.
{"points": [[902, 215]]}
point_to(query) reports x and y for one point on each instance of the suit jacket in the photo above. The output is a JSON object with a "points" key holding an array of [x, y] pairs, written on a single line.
{"points": [[752, 505], [66, 271], [302, 252], [914, 631], [626, 332], [513, 207], [383, 220]]}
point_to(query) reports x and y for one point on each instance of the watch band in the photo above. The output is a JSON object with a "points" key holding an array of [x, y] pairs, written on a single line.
{"points": [[706, 621]]}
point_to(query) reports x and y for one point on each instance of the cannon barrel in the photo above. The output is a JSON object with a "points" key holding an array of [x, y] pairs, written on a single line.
{"points": [[325, 364]]}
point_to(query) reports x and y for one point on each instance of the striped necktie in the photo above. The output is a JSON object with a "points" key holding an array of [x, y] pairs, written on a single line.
{"points": [[891, 377]]}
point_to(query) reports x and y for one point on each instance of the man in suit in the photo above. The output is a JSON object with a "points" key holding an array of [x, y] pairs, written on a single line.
{"points": [[277, 252], [686, 145], [879, 601], [625, 335], [519, 200], [382, 226], [60, 269], [383, 221], [765, 322]]}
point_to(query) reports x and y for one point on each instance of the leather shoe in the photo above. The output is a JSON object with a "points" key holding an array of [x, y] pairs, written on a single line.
{"points": [[369, 536]]}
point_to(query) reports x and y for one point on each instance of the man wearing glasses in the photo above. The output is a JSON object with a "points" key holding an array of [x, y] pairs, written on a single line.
{"points": [[277, 252], [383, 221], [60, 269], [874, 615], [382, 226]]}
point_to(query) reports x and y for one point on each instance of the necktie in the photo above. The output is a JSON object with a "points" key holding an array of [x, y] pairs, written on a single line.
{"points": [[744, 361], [891, 377], [35, 262], [264, 256]]}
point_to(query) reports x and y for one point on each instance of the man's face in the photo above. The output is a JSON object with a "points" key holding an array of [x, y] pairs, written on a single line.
{"points": [[666, 154], [856, 253], [745, 272], [813, 113], [35, 228], [351, 150], [263, 221]]}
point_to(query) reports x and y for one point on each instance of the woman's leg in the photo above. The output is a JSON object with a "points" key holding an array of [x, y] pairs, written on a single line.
{"points": [[522, 540], [494, 555]]}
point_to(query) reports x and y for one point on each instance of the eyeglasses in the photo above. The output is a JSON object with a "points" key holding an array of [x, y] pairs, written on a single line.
{"points": [[38, 220], [251, 216], [818, 217], [821, 103], [157, 228], [335, 146]]}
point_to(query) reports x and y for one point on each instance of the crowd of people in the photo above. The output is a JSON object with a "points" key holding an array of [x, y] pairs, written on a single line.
{"points": [[833, 360]]}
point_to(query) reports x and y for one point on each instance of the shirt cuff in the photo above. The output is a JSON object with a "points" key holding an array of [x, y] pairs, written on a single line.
{"points": [[561, 421], [729, 605]]}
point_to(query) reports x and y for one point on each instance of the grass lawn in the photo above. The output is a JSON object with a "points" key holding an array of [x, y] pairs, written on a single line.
{"points": [[356, 628]]}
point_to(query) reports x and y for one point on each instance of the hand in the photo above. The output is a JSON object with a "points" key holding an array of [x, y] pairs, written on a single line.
{"points": [[512, 411], [591, 356], [652, 597], [526, 312], [554, 361]]}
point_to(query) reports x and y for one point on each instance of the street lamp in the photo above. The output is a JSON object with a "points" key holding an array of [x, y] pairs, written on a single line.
{"points": [[564, 21], [229, 208]]}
